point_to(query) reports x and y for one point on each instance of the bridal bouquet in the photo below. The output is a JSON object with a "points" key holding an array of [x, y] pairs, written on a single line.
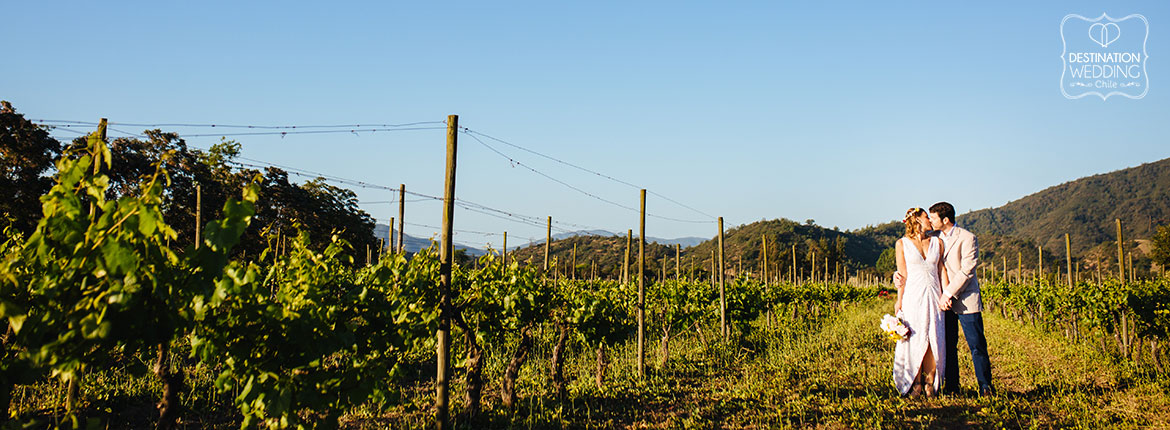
{"points": [[895, 328]]}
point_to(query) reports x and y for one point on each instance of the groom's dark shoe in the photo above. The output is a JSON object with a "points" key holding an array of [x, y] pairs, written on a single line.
{"points": [[986, 391]]}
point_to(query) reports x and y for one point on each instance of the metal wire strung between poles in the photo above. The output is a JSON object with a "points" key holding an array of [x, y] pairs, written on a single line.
{"points": [[356, 128], [350, 130], [359, 128], [469, 131], [574, 188], [470, 206], [72, 123]]}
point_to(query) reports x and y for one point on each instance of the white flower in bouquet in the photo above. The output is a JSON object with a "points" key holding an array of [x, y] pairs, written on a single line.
{"points": [[895, 328]]}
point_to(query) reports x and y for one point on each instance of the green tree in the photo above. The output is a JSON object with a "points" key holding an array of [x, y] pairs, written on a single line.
{"points": [[886, 263], [319, 207], [1161, 246], [26, 153]]}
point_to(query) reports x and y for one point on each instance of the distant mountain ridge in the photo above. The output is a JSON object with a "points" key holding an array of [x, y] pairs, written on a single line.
{"points": [[1085, 208], [415, 244], [686, 242]]}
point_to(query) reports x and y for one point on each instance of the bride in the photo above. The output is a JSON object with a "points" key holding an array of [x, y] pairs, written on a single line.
{"points": [[919, 360]]}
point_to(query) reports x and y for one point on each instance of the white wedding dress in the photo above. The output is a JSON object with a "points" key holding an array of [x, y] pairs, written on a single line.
{"points": [[921, 313]]}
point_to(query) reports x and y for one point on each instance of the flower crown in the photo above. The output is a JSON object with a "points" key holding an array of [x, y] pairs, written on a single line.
{"points": [[910, 215]]}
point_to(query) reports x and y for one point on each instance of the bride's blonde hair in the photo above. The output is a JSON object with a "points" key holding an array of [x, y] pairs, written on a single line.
{"points": [[913, 228]]}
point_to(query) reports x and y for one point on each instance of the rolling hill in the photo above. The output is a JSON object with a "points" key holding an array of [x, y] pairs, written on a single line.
{"points": [[1086, 209]]}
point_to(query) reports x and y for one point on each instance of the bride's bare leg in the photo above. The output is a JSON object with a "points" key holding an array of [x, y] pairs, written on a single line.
{"points": [[926, 373]]}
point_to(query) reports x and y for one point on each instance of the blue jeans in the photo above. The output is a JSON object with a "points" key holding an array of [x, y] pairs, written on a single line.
{"points": [[973, 331]]}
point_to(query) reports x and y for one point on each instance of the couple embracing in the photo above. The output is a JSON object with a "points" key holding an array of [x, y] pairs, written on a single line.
{"points": [[937, 291]]}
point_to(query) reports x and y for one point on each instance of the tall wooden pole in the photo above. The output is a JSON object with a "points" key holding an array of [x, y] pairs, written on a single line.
{"points": [[73, 389], [764, 248], [1039, 263], [1019, 266], [198, 215], [447, 257], [1120, 253], [662, 275], [390, 235], [678, 261], [793, 274], [547, 244], [504, 252], [812, 274], [401, 217], [722, 295], [714, 281], [1068, 260], [642, 287], [626, 263], [1005, 269], [1132, 273]]}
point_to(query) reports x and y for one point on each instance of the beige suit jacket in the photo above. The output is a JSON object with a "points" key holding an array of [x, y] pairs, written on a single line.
{"points": [[960, 256]]}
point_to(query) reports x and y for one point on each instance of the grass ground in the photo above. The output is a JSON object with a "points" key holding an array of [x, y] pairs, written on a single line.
{"points": [[832, 372]]}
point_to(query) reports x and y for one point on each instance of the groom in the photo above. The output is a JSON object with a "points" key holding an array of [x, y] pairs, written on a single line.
{"points": [[960, 298]]}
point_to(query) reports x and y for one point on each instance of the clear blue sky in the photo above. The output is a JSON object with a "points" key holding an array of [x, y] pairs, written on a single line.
{"points": [[846, 113]]}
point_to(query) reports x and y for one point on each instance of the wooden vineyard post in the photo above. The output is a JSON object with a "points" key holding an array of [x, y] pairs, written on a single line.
{"points": [[793, 274], [812, 273], [198, 215], [1120, 253], [1005, 270], [401, 217], [1068, 260], [73, 389], [547, 244], [447, 258], [678, 262], [1122, 277], [1039, 263], [764, 251], [390, 236], [662, 271], [714, 282], [504, 251], [626, 264], [722, 296], [642, 287], [1019, 267], [1132, 274]]}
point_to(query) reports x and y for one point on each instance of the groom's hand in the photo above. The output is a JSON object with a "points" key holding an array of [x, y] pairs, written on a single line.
{"points": [[944, 302]]}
